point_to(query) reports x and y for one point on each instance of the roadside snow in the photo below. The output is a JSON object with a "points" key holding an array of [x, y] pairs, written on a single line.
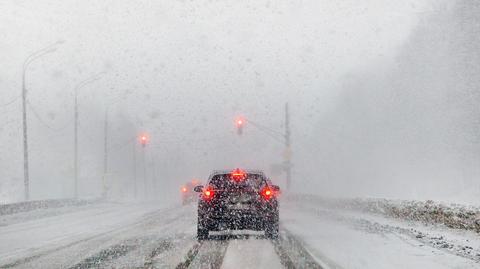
{"points": [[38, 213], [353, 240], [34, 236]]}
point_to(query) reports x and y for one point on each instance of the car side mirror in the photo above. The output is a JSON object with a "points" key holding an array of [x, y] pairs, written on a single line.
{"points": [[198, 188], [275, 188]]}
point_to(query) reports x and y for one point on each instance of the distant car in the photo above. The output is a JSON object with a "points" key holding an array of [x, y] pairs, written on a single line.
{"points": [[188, 195], [238, 200]]}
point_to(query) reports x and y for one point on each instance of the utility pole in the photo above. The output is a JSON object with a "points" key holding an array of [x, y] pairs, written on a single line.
{"points": [[288, 153]]}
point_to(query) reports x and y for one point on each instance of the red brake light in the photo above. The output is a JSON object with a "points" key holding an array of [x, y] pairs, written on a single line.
{"points": [[267, 193], [238, 175], [208, 193], [184, 189]]}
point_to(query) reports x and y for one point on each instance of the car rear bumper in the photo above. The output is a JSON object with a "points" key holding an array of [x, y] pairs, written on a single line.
{"points": [[235, 220]]}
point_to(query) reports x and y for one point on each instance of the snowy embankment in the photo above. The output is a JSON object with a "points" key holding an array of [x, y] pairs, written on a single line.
{"points": [[455, 216], [31, 210], [352, 231], [37, 237], [13, 208]]}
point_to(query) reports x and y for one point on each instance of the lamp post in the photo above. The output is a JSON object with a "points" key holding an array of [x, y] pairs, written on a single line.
{"points": [[75, 162], [30, 58], [105, 148]]}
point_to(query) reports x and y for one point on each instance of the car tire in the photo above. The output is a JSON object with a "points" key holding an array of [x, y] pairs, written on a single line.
{"points": [[272, 227], [202, 232]]}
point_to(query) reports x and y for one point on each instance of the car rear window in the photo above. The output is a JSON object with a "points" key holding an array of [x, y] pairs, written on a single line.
{"points": [[224, 182]]}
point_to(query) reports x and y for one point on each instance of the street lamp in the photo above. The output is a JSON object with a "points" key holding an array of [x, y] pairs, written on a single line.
{"points": [[77, 88], [105, 149], [30, 58]]}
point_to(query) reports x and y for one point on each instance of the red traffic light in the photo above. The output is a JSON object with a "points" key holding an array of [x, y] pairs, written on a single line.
{"points": [[239, 122], [143, 139]]}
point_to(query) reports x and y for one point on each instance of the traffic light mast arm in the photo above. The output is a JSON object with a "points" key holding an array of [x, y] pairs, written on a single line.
{"points": [[279, 137]]}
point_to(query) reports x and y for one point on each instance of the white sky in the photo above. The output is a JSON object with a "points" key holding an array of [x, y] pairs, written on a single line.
{"points": [[194, 64]]}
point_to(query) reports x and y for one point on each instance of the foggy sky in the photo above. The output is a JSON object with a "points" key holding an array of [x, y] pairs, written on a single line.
{"points": [[183, 70]]}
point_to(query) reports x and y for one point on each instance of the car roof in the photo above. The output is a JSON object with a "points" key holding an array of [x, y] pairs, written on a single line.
{"points": [[248, 171], [225, 172]]}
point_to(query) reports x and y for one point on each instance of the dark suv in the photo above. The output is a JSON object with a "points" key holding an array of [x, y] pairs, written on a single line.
{"points": [[237, 200]]}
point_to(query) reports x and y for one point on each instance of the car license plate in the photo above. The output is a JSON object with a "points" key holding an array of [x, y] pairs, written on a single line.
{"points": [[239, 206]]}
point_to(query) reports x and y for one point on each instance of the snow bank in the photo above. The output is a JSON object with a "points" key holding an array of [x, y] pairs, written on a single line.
{"points": [[7, 209], [454, 216]]}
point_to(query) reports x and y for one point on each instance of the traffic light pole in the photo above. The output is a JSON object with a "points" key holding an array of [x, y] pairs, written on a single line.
{"points": [[135, 170], [284, 138], [145, 189]]}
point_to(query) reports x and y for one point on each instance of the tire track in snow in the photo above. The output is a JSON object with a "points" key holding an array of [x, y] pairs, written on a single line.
{"points": [[163, 246], [192, 253], [105, 255], [44, 253], [293, 253], [99, 239], [205, 254]]}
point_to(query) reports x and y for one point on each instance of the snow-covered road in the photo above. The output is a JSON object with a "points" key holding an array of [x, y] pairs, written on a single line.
{"points": [[154, 236]]}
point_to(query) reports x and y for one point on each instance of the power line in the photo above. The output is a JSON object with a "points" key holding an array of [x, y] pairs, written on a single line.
{"points": [[273, 134], [8, 122], [11, 101], [43, 122], [123, 144], [271, 130]]}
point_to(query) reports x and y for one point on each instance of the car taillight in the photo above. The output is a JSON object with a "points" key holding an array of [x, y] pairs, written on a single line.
{"points": [[267, 193], [238, 175], [184, 189], [208, 194]]}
